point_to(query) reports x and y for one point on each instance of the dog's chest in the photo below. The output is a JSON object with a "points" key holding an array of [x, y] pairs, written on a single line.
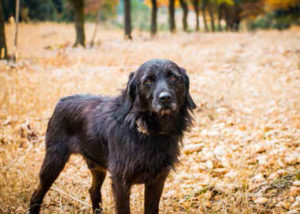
{"points": [[150, 163], [143, 161]]}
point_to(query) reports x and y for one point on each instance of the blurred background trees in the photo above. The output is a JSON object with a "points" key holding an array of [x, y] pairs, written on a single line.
{"points": [[3, 48], [157, 15], [185, 9], [78, 7], [195, 4], [127, 18], [172, 24], [154, 17], [213, 12]]}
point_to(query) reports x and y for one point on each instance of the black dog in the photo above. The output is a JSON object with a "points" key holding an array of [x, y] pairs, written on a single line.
{"points": [[135, 136]]}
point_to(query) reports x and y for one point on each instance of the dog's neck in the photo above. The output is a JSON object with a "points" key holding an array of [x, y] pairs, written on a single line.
{"points": [[157, 125], [141, 128]]}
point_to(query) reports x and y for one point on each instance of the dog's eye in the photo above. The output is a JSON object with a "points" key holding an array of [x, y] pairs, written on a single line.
{"points": [[149, 81], [172, 77]]}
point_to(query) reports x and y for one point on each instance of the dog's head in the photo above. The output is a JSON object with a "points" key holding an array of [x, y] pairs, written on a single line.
{"points": [[158, 86]]}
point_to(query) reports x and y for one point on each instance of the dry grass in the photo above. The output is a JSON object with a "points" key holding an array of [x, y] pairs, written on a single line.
{"points": [[242, 156]]}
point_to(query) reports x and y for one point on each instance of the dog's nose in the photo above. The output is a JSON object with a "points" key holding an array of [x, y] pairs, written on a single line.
{"points": [[165, 97]]}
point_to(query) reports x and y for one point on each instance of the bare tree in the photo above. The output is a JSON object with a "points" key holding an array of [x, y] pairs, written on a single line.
{"points": [[211, 14], [220, 15], [185, 14], [196, 8], [232, 14], [16, 29], [127, 19], [3, 47], [204, 4], [154, 17], [172, 15], [78, 6], [96, 28]]}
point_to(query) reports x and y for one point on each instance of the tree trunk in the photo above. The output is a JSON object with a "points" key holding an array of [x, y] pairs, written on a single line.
{"points": [[172, 15], [237, 25], [237, 17], [3, 47], [185, 14], [212, 19], [78, 6], [16, 29], [154, 18], [204, 16], [196, 8], [229, 17], [127, 19], [9, 9], [220, 10], [96, 27], [226, 17]]}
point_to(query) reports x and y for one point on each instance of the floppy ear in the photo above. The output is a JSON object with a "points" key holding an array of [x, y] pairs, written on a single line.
{"points": [[128, 96], [189, 101]]}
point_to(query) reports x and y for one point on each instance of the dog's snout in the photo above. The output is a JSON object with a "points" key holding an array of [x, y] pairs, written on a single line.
{"points": [[165, 97]]}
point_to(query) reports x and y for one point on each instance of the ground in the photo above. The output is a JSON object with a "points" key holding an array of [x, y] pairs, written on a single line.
{"points": [[241, 156]]}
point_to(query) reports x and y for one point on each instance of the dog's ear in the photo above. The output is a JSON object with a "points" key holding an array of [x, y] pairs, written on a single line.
{"points": [[128, 95], [189, 101]]}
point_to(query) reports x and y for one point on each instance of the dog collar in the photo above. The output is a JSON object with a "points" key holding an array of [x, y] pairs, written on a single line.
{"points": [[142, 129]]}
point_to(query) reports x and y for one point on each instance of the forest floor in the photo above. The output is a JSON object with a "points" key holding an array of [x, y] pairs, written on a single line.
{"points": [[241, 156]]}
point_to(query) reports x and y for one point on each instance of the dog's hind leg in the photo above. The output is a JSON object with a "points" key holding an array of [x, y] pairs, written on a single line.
{"points": [[56, 157], [95, 190]]}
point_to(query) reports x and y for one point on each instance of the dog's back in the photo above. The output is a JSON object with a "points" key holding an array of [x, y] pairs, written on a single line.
{"points": [[70, 113]]}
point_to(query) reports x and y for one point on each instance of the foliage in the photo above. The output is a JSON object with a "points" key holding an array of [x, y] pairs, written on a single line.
{"points": [[41, 10], [140, 15], [108, 9], [61, 10], [281, 4], [279, 19], [162, 3], [230, 2], [264, 14], [66, 14]]}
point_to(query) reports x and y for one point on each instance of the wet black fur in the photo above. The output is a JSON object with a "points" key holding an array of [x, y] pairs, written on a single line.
{"points": [[104, 131]]}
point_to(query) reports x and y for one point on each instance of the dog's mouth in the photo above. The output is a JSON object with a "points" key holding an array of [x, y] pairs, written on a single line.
{"points": [[165, 109], [165, 112]]}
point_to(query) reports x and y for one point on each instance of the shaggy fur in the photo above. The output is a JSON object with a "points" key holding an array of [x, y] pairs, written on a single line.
{"points": [[135, 136]]}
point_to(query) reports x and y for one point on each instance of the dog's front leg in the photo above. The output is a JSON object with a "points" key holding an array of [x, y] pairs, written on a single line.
{"points": [[121, 191], [153, 191]]}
